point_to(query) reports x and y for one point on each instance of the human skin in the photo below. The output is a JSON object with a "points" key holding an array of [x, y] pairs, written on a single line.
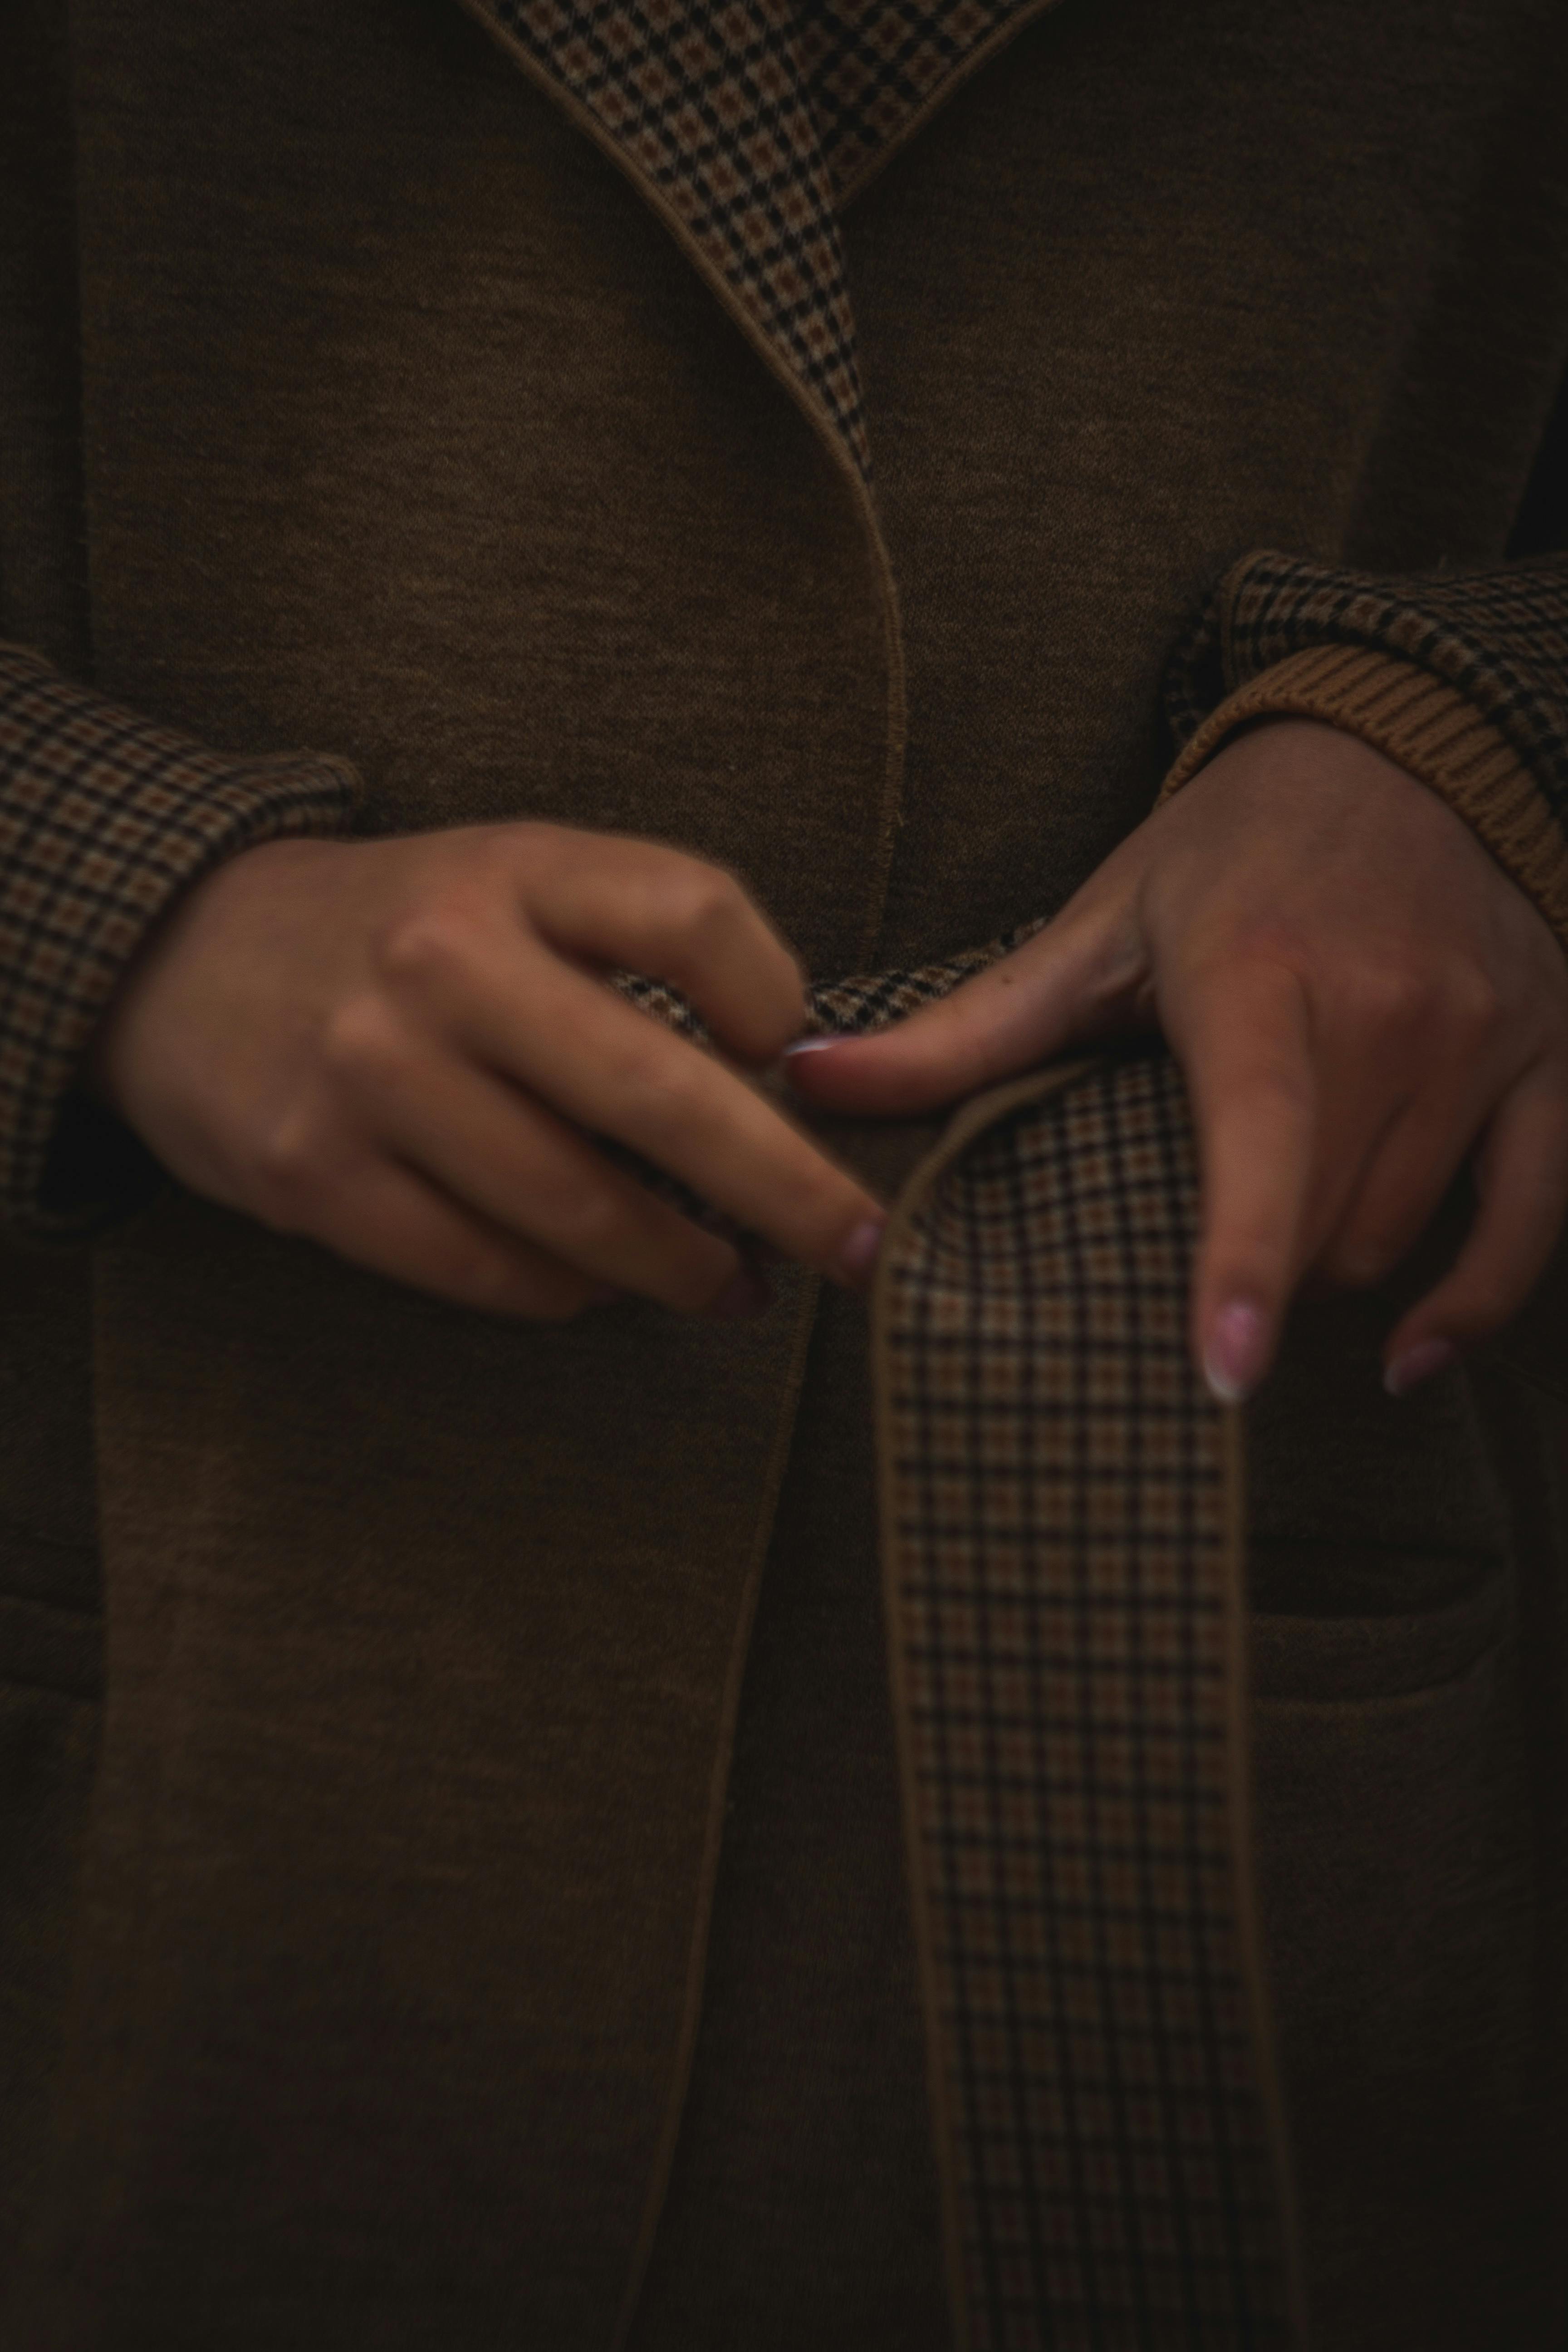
{"points": [[1360, 1000], [402, 1049]]}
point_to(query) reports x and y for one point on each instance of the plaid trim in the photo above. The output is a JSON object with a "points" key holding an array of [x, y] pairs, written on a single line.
{"points": [[1060, 1521], [748, 125], [855, 1007], [1498, 637], [105, 818], [837, 1008]]}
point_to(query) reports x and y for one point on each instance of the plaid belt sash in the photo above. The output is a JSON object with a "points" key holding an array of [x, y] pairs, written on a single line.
{"points": [[1063, 1550], [1062, 1542]]}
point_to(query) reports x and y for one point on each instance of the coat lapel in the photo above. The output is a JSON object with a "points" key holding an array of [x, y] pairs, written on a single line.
{"points": [[749, 126]]}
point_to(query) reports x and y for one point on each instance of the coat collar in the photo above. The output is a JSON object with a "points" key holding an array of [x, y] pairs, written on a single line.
{"points": [[749, 126]]}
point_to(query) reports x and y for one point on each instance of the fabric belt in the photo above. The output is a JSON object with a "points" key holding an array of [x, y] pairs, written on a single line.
{"points": [[1063, 1536]]}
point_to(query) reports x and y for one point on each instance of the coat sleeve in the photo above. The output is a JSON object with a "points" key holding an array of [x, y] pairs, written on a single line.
{"points": [[1462, 677], [106, 818]]}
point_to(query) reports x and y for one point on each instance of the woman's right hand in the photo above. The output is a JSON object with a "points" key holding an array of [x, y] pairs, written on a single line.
{"points": [[401, 1048]]}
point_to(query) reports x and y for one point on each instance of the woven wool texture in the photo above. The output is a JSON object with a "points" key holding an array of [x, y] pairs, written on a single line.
{"points": [[1059, 1520], [105, 819], [753, 125]]}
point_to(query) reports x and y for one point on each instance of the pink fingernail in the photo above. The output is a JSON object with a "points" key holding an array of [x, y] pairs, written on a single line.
{"points": [[745, 1293], [1238, 1345], [1418, 1364], [858, 1252]]}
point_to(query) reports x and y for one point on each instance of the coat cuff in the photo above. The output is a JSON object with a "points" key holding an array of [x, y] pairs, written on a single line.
{"points": [[1496, 639], [106, 818], [1430, 729]]}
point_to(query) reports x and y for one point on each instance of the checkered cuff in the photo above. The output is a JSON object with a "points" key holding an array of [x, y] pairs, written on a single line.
{"points": [[105, 818], [1462, 678]]}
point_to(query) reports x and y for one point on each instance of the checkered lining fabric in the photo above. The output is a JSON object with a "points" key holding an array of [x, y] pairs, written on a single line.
{"points": [[855, 1007], [751, 123], [1059, 1520], [1499, 638], [105, 819]]}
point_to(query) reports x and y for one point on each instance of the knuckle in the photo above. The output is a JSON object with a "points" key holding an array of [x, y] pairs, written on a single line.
{"points": [[429, 944], [362, 1039], [1393, 998], [705, 905], [668, 1093], [292, 1166], [584, 1221]]}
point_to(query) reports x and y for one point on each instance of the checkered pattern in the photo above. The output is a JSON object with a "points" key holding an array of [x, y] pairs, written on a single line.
{"points": [[1498, 637], [751, 124], [104, 819], [856, 1007], [1060, 1512], [873, 72]]}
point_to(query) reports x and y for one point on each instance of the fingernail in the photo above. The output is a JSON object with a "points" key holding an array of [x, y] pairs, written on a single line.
{"points": [[858, 1252], [1233, 1360], [1418, 1364], [809, 1045], [745, 1293]]}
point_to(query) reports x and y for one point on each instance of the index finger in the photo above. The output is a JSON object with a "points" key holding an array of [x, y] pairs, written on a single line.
{"points": [[644, 906], [616, 1071], [1243, 1039], [1065, 982]]}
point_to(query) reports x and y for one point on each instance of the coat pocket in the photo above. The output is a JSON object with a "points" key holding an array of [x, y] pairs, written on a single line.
{"points": [[1385, 1653], [1398, 1880]]}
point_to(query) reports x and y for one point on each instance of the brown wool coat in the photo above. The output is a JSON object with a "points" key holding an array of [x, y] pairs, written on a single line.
{"points": [[353, 1944]]}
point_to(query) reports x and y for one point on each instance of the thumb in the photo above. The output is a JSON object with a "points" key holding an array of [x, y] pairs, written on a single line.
{"points": [[1081, 975]]}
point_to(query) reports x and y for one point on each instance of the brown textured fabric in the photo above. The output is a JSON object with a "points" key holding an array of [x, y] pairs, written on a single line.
{"points": [[43, 542], [51, 1681], [802, 2206], [456, 2032], [749, 125], [409, 433]]}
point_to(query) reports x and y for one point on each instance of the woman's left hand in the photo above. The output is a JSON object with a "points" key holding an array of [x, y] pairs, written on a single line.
{"points": [[1360, 998]]}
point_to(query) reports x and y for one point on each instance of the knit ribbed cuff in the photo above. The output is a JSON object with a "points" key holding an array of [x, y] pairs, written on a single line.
{"points": [[106, 818], [1428, 728]]}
